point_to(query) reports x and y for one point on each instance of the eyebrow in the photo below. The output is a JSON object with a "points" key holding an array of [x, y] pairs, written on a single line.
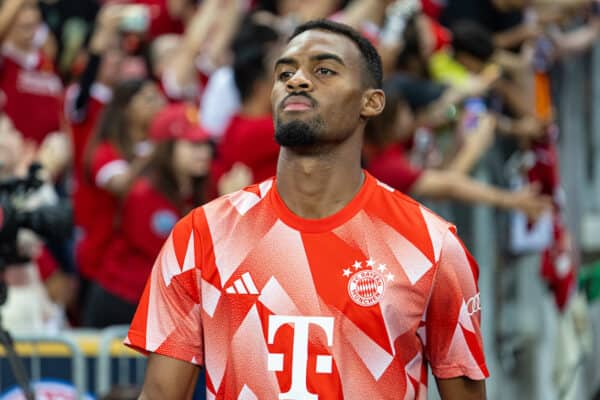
{"points": [[328, 56], [318, 57]]}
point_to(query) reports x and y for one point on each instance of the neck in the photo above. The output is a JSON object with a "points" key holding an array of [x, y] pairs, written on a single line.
{"points": [[318, 184], [184, 182], [23, 48]]}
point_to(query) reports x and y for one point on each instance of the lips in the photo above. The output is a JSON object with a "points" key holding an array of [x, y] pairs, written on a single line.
{"points": [[297, 103]]}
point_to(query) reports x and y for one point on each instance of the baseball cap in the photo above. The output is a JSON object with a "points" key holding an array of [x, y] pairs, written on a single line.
{"points": [[178, 121]]}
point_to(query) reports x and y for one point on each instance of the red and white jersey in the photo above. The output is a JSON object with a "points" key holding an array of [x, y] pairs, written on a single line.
{"points": [[33, 92], [276, 306]]}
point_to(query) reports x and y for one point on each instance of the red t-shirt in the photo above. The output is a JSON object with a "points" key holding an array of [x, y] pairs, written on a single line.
{"points": [[33, 93], [352, 305], [147, 218], [250, 141], [391, 166], [97, 211]]}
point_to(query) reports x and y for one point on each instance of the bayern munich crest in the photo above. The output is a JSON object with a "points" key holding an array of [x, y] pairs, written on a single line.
{"points": [[367, 281]]}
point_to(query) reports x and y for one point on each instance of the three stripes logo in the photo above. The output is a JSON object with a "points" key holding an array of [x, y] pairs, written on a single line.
{"points": [[243, 285]]}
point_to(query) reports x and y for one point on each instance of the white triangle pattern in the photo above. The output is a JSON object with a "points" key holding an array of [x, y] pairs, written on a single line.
{"points": [[189, 262], [210, 297], [169, 264], [247, 394], [375, 358], [414, 263], [437, 230]]}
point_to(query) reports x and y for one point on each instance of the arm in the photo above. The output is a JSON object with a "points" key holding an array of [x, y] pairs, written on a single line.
{"points": [[120, 183], [8, 12], [105, 33], [183, 63], [452, 185], [477, 142], [461, 388], [517, 35], [168, 378]]}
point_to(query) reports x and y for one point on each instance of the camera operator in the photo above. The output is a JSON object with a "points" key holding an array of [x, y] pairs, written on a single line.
{"points": [[30, 212]]}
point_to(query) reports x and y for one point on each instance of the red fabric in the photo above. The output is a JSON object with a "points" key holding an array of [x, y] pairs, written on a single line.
{"points": [[256, 294], [160, 20], [95, 213], [558, 265], [83, 129], [178, 121], [442, 36], [545, 171], [46, 264], [146, 221], [391, 166], [34, 95], [559, 268], [433, 8], [250, 141]]}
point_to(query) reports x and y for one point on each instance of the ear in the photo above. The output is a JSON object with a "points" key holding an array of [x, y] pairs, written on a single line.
{"points": [[373, 102]]}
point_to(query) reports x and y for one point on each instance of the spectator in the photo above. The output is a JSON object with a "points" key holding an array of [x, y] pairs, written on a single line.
{"points": [[174, 182], [250, 137], [115, 155], [36, 295], [27, 77], [387, 162]]}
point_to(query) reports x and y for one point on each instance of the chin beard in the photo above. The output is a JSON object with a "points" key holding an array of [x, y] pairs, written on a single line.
{"points": [[299, 133]]}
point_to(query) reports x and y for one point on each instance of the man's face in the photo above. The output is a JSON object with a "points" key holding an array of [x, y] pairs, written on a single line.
{"points": [[318, 90]]}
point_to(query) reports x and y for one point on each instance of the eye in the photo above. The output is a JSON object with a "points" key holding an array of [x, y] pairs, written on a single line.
{"points": [[285, 75], [325, 71]]}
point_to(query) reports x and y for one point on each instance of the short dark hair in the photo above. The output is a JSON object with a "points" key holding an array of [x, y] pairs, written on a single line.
{"points": [[372, 60], [472, 38], [251, 46]]}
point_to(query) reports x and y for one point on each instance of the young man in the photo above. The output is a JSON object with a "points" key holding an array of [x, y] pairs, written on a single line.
{"points": [[321, 283]]}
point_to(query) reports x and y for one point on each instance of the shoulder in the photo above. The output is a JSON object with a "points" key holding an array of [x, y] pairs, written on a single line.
{"points": [[410, 218], [105, 152], [143, 188], [234, 206]]}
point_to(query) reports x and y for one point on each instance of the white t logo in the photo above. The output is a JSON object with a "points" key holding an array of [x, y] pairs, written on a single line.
{"points": [[299, 391]]}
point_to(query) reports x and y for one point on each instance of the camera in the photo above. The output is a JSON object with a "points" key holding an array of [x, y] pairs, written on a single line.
{"points": [[51, 221]]}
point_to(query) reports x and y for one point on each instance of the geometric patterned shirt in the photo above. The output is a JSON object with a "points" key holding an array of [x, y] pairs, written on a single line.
{"points": [[356, 304]]}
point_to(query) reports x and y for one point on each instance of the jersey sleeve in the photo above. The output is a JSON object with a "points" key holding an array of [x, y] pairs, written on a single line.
{"points": [[106, 163], [452, 335], [168, 317]]}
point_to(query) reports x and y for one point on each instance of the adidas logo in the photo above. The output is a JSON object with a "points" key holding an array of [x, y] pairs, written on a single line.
{"points": [[243, 285]]}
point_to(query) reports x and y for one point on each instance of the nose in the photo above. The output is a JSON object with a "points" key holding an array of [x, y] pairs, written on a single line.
{"points": [[299, 82]]}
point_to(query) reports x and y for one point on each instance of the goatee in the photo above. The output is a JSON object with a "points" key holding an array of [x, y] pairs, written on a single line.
{"points": [[298, 133]]}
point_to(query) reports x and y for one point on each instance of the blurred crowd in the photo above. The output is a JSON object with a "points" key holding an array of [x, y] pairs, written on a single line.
{"points": [[138, 111]]}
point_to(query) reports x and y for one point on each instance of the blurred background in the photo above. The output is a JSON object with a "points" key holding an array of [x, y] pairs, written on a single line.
{"points": [[118, 117]]}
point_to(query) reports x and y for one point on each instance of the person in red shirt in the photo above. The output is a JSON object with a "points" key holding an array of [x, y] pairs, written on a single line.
{"points": [[27, 76], [174, 182], [116, 154], [250, 137], [385, 158], [322, 282]]}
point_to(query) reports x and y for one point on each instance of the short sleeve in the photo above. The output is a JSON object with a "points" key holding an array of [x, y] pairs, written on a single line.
{"points": [[168, 317], [452, 336], [106, 163]]}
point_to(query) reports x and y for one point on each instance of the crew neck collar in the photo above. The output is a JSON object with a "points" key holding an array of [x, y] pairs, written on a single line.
{"points": [[328, 223]]}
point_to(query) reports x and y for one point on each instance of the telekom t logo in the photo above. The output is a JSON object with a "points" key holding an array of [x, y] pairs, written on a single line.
{"points": [[299, 391]]}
